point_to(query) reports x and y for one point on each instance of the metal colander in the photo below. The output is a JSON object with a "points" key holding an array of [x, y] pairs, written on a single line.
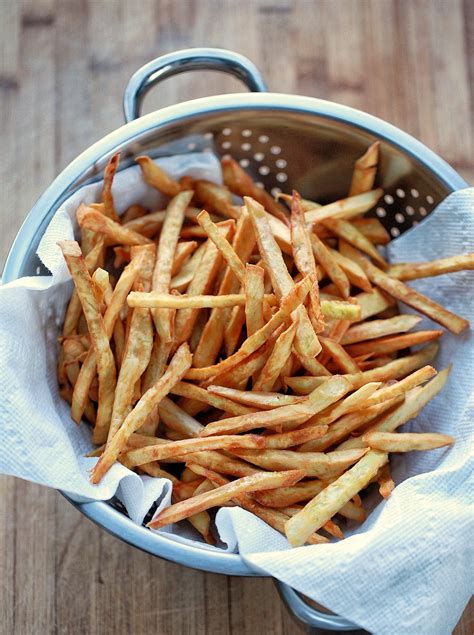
{"points": [[285, 142]]}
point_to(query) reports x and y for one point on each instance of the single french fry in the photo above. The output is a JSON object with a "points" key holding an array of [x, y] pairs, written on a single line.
{"points": [[304, 385], [190, 391], [406, 441], [278, 357], [339, 355], [414, 402], [201, 521], [326, 259], [74, 309], [345, 208], [314, 464], [372, 229], [306, 340], [222, 463], [162, 300], [385, 481], [201, 283], [400, 291], [304, 258], [99, 337], [346, 425], [283, 440], [107, 198], [223, 494], [138, 348], [345, 230], [240, 183], [379, 328], [189, 446], [254, 296], [291, 416], [384, 345], [216, 198], [287, 306], [156, 177], [92, 219], [328, 502], [176, 369], [176, 419], [88, 369], [438, 267], [147, 225], [182, 279], [255, 399], [164, 261], [213, 334], [365, 169], [233, 329]]}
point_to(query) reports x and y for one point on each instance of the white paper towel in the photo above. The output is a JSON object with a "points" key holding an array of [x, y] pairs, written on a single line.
{"points": [[406, 569]]}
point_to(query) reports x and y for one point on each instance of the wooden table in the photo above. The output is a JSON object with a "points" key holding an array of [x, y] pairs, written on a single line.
{"points": [[63, 67]]}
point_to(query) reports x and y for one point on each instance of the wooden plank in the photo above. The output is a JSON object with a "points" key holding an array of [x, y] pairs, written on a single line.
{"points": [[63, 68]]}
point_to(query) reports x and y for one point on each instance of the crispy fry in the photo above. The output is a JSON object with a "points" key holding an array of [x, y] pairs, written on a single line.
{"points": [[233, 330], [178, 366], [385, 481], [239, 182], [164, 261], [163, 300], [223, 245], [89, 218], [415, 270], [283, 440], [133, 212], [372, 303], [306, 340], [223, 494], [385, 345], [345, 230], [256, 399], [254, 296], [328, 502], [147, 225], [314, 464], [156, 177], [379, 328], [183, 389], [216, 198], [341, 310], [339, 355], [107, 198], [406, 441], [354, 273], [181, 280], [365, 169], [182, 253], [345, 208]]}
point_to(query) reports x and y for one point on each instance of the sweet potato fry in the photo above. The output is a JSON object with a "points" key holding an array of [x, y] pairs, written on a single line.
{"points": [[156, 177], [416, 270], [176, 369], [365, 169], [406, 441], [89, 218], [328, 502]]}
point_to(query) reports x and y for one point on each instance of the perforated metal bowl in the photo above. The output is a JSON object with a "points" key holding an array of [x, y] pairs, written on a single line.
{"points": [[286, 142]]}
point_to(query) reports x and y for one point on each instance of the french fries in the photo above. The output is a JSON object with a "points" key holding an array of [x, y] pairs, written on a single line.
{"points": [[267, 350]]}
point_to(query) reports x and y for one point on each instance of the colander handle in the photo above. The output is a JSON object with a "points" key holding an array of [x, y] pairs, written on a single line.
{"points": [[197, 59], [316, 622]]}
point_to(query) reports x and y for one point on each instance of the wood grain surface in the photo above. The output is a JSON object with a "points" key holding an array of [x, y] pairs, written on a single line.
{"points": [[63, 67]]}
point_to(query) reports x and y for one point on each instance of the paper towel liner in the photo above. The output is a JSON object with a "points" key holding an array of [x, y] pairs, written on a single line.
{"points": [[405, 569]]}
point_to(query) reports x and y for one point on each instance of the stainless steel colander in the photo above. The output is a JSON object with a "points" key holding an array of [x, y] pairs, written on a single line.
{"points": [[285, 142]]}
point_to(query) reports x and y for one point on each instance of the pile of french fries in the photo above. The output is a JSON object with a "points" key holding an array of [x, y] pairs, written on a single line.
{"points": [[251, 353]]}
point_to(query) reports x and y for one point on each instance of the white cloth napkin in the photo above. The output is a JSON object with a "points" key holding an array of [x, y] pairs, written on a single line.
{"points": [[406, 569]]}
